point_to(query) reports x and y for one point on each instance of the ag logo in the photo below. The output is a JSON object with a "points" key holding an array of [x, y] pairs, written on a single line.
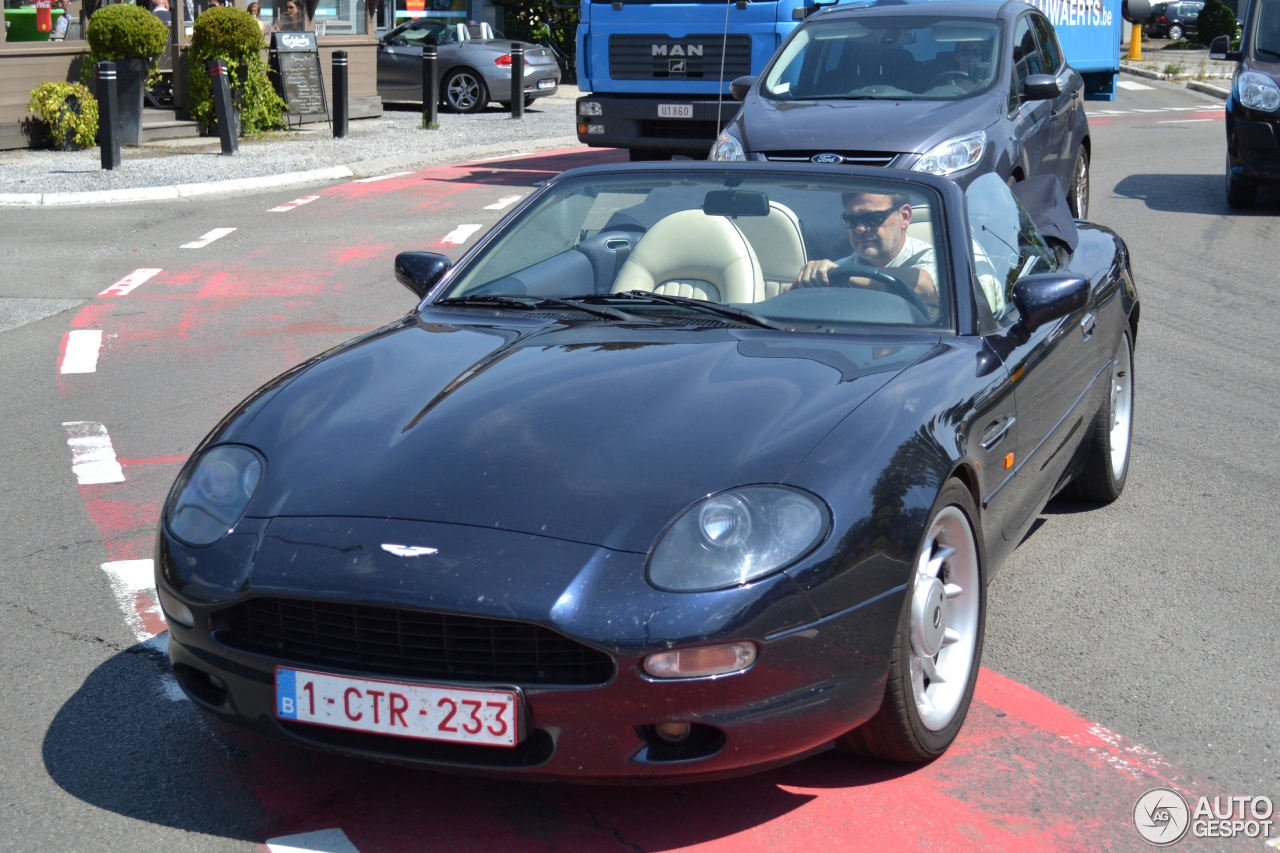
{"points": [[1161, 816], [826, 158]]}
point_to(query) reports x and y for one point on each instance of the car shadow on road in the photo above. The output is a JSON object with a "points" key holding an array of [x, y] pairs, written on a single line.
{"points": [[1187, 194], [123, 743]]}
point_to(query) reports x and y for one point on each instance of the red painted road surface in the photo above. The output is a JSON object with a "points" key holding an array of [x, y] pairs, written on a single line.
{"points": [[1025, 774]]}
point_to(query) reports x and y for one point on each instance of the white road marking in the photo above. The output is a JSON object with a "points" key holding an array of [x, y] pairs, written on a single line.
{"points": [[380, 178], [168, 684], [320, 841], [505, 201], [1148, 111], [290, 205], [81, 353], [1132, 86], [129, 282], [215, 234], [134, 585], [460, 234], [93, 459], [1184, 120]]}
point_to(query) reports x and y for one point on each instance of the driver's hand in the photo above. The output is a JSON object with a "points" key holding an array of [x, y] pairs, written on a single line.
{"points": [[813, 274]]}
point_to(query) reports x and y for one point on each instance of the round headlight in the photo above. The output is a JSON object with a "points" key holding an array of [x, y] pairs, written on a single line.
{"points": [[214, 493], [1258, 91], [736, 537]]}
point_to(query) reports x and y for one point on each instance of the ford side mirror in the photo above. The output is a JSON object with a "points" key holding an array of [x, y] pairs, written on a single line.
{"points": [[1041, 87], [421, 271], [1044, 297]]}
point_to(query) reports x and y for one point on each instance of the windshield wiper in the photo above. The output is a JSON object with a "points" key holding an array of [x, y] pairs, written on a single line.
{"points": [[740, 314], [1267, 51], [530, 302]]}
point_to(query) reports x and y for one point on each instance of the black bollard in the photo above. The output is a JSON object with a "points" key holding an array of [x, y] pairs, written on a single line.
{"points": [[517, 80], [339, 94], [222, 106], [430, 87], [108, 115]]}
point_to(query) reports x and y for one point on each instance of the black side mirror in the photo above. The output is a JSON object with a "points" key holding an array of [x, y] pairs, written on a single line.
{"points": [[1041, 87], [1135, 11], [739, 87], [1220, 48], [1044, 297], [421, 271]]}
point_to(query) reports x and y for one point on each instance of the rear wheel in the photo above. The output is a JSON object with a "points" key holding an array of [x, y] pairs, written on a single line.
{"points": [[1175, 31], [1078, 193], [938, 646], [1240, 195], [1110, 436], [465, 92]]}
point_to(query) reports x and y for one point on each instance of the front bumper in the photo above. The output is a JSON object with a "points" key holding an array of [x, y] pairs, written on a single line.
{"points": [[635, 122], [813, 680], [1253, 145]]}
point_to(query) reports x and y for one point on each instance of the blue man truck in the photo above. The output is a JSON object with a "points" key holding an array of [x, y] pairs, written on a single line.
{"points": [[658, 73]]}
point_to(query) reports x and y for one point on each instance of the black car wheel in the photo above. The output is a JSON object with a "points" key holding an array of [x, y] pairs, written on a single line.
{"points": [[1175, 31], [465, 92], [1110, 436], [934, 664], [1078, 193], [1240, 195]]}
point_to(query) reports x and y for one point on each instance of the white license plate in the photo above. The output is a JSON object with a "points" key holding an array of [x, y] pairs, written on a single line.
{"points": [[675, 110], [457, 714], [547, 84]]}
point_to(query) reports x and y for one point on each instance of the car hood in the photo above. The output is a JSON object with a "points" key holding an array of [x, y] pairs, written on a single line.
{"points": [[888, 126], [594, 433]]}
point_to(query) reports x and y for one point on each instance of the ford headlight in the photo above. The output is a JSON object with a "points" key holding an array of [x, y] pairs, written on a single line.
{"points": [[728, 149], [736, 537], [1258, 91], [953, 155], [211, 496]]}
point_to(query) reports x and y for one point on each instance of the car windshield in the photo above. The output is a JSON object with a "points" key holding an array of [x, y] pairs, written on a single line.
{"points": [[891, 58], [1266, 41], [779, 250]]}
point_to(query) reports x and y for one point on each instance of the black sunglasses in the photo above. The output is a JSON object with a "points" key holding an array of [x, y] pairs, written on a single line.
{"points": [[871, 220]]}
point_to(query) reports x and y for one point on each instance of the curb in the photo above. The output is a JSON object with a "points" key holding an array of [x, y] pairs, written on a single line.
{"points": [[359, 169], [1193, 85]]}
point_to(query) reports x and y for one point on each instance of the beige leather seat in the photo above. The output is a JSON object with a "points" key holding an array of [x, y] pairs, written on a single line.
{"points": [[920, 228], [689, 253], [779, 245]]}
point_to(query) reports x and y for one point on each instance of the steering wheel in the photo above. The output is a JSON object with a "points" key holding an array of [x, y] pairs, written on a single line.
{"points": [[892, 284], [952, 76]]}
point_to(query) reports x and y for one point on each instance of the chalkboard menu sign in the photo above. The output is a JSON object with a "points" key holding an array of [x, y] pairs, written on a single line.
{"points": [[297, 61]]}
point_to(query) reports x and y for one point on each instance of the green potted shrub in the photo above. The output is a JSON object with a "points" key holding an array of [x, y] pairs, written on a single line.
{"points": [[65, 116], [132, 38], [233, 36]]}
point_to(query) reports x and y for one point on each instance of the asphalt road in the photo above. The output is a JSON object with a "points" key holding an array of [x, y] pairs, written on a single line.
{"points": [[1154, 618]]}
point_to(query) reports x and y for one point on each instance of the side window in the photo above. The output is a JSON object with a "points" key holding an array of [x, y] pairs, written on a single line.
{"points": [[1049, 46], [1026, 59], [1005, 245]]}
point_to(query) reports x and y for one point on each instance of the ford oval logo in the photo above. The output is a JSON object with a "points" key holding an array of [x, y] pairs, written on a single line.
{"points": [[826, 158]]}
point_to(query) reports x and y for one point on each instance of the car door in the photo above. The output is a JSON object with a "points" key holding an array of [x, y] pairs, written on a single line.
{"points": [[1064, 112], [1029, 120]]}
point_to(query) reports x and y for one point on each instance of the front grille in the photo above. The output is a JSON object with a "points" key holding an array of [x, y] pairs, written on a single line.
{"points": [[695, 57], [848, 158], [411, 643]]}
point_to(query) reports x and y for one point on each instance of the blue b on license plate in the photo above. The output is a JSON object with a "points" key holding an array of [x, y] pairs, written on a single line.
{"points": [[426, 712]]}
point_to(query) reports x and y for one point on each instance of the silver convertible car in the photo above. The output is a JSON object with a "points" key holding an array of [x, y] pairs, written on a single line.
{"points": [[474, 65]]}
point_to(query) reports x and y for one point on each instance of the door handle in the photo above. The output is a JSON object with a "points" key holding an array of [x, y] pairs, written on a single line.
{"points": [[1087, 325], [996, 432]]}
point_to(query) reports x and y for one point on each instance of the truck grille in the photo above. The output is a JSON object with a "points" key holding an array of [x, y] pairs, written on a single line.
{"points": [[695, 57], [411, 643]]}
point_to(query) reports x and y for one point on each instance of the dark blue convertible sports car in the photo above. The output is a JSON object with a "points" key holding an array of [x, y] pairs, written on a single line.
{"points": [[678, 471]]}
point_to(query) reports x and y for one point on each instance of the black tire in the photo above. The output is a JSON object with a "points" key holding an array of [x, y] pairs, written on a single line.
{"points": [[645, 155], [464, 91], [1078, 192], [1240, 195], [899, 731], [1175, 32], [1110, 438]]}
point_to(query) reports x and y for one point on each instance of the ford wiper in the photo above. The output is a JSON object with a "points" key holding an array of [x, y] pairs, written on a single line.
{"points": [[740, 314], [533, 302]]}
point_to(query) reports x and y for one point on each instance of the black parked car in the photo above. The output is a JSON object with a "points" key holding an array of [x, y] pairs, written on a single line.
{"points": [[617, 501], [1253, 105], [956, 89], [1172, 20]]}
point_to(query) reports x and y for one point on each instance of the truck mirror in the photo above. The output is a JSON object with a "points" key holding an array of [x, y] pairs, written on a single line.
{"points": [[1135, 11]]}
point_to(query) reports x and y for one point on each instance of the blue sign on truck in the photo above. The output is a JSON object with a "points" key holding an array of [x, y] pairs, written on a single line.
{"points": [[658, 73]]}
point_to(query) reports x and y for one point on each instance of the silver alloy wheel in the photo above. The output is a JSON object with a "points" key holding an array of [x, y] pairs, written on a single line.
{"points": [[1175, 32], [463, 91], [1082, 186], [945, 608], [1121, 407]]}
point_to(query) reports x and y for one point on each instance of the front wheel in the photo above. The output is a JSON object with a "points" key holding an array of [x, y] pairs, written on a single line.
{"points": [[1110, 437], [1240, 195], [934, 664], [1175, 32], [1078, 194], [465, 92]]}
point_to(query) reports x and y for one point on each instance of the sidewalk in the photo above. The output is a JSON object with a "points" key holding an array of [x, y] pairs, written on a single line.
{"points": [[185, 168], [1190, 66]]}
